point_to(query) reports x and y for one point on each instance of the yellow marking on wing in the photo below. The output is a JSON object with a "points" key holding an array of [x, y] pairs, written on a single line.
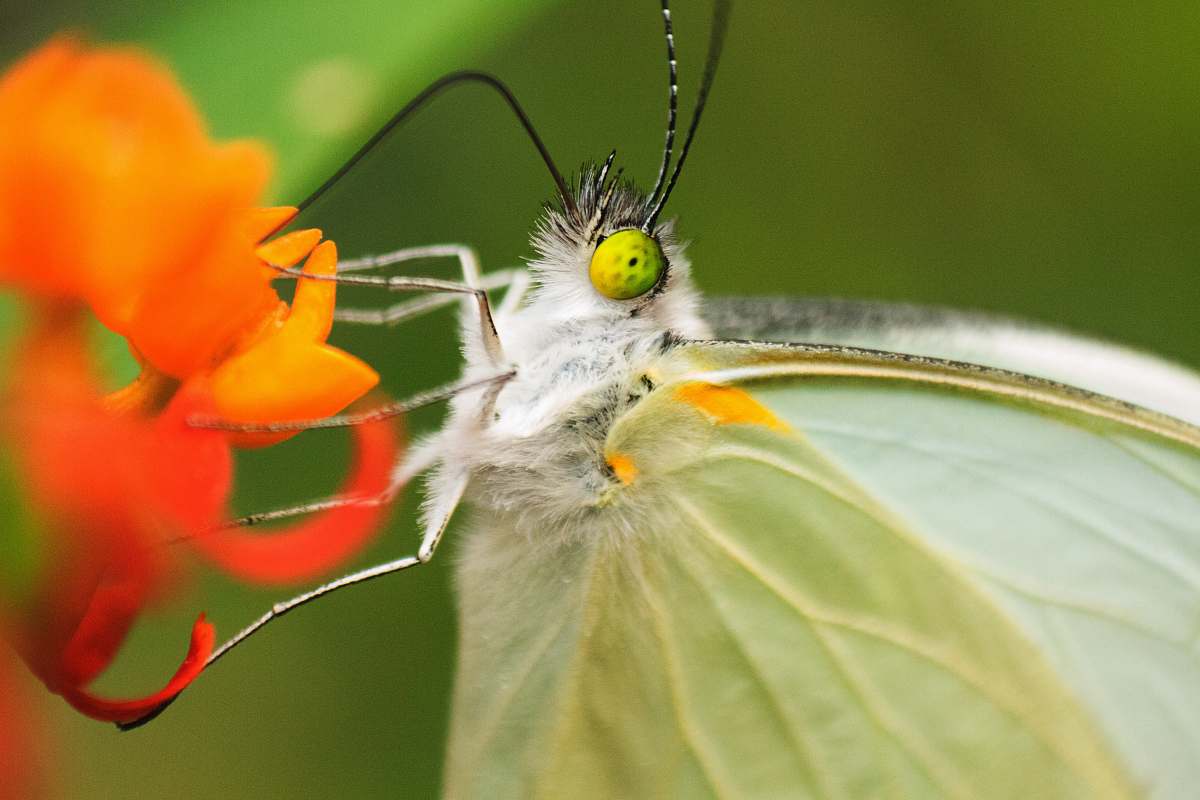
{"points": [[728, 405], [623, 467]]}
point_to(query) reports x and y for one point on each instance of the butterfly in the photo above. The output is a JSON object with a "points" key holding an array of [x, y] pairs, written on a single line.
{"points": [[793, 548]]}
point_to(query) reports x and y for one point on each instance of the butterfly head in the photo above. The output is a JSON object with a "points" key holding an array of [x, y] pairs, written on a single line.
{"points": [[602, 261], [604, 246]]}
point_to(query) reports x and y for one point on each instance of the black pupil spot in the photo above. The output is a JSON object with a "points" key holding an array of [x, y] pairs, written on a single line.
{"points": [[633, 261]]}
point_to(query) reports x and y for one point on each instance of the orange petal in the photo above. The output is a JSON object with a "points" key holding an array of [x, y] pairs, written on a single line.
{"points": [[142, 396], [111, 192], [281, 379], [304, 551], [32, 77], [262, 222], [201, 647], [288, 249], [197, 243], [312, 307], [21, 87], [185, 325]]}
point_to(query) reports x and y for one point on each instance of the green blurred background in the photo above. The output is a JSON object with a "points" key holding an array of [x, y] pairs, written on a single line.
{"points": [[1039, 159]]}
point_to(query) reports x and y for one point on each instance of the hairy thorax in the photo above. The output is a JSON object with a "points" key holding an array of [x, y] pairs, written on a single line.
{"points": [[540, 454]]}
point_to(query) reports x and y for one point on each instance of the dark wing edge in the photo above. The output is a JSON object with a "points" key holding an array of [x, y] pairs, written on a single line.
{"points": [[727, 361], [1004, 343]]}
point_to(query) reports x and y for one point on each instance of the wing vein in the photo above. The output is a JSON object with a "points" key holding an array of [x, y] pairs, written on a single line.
{"points": [[491, 724], [804, 748], [872, 705], [1191, 485], [675, 681], [978, 466], [1012, 705], [954, 554]]}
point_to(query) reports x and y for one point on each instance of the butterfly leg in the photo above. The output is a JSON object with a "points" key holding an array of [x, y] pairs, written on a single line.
{"points": [[516, 281], [467, 259], [278, 610], [419, 461], [360, 576], [439, 518], [508, 279], [517, 289], [437, 395], [432, 536]]}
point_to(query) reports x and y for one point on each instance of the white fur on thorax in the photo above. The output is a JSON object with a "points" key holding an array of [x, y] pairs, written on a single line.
{"points": [[580, 359]]}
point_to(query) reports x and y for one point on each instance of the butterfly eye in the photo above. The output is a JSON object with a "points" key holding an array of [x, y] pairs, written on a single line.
{"points": [[627, 264]]}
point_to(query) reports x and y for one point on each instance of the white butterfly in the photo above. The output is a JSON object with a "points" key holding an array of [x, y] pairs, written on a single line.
{"points": [[924, 554]]}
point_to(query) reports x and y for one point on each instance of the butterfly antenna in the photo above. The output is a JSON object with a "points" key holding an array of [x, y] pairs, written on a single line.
{"points": [[672, 103], [716, 41], [432, 91]]}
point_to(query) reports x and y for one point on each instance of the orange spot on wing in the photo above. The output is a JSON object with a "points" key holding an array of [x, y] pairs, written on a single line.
{"points": [[623, 467], [728, 405]]}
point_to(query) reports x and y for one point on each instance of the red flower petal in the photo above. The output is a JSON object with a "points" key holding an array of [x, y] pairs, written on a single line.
{"points": [[187, 473], [193, 467], [110, 490], [303, 551], [109, 617], [204, 636], [22, 757]]}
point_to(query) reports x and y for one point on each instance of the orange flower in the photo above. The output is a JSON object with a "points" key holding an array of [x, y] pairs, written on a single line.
{"points": [[111, 192], [111, 492], [113, 198], [285, 371]]}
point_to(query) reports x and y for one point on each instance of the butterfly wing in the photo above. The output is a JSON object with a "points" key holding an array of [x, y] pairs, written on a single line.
{"points": [[977, 338], [827, 572]]}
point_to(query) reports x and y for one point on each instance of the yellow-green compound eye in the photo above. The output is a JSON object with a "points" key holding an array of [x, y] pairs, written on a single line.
{"points": [[626, 264]]}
